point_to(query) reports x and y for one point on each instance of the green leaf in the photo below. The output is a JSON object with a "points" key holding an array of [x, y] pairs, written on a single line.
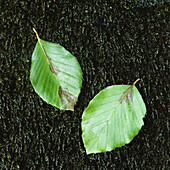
{"points": [[112, 118], [55, 74]]}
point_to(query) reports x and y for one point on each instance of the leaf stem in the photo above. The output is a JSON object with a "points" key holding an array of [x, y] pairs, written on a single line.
{"points": [[41, 44], [135, 82], [36, 34], [129, 89], [51, 66], [39, 40]]}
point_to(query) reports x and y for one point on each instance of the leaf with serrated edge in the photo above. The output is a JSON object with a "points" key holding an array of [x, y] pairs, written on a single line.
{"points": [[55, 74], [112, 119]]}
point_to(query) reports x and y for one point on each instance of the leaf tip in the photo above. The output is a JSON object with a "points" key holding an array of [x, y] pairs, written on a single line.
{"points": [[67, 100]]}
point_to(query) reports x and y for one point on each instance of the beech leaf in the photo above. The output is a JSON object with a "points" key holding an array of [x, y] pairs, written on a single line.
{"points": [[55, 74], [112, 119]]}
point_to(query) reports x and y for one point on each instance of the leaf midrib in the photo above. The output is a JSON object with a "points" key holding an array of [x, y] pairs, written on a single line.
{"points": [[106, 124]]}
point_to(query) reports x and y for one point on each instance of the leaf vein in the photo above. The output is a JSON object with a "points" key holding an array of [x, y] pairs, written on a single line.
{"points": [[75, 87], [71, 75], [63, 63]]}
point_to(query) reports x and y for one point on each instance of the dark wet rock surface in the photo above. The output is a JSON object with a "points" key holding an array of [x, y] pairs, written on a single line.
{"points": [[115, 43]]}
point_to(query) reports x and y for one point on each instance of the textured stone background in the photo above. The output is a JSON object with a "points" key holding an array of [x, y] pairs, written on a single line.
{"points": [[115, 43]]}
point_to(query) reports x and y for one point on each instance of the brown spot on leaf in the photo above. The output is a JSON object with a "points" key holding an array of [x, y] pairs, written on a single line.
{"points": [[127, 96], [54, 69], [67, 99]]}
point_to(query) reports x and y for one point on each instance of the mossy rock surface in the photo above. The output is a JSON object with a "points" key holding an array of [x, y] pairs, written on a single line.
{"points": [[115, 43]]}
